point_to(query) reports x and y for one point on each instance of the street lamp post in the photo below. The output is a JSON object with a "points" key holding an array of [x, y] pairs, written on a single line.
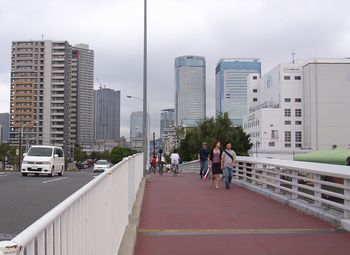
{"points": [[146, 128], [20, 141], [145, 140]]}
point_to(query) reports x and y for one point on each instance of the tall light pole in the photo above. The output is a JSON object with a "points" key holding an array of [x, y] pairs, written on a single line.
{"points": [[145, 140], [20, 141]]}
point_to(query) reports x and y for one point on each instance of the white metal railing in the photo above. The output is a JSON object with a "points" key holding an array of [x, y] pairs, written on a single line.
{"points": [[321, 186], [192, 166], [90, 221]]}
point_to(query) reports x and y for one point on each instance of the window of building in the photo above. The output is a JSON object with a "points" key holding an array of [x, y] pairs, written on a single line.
{"points": [[297, 112], [255, 100], [287, 78], [287, 112], [297, 78], [272, 144], [255, 77], [287, 100], [298, 100], [287, 136], [298, 145], [274, 134], [287, 145], [298, 122], [298, 136], [255, 91], [287, 122]]}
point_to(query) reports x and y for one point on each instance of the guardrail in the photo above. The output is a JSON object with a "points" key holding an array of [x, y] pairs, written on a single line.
{"points": [[90, 221], [322, 190]]}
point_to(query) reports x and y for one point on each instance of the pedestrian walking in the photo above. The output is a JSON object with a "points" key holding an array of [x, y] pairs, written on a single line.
{"points": [[175, 160], [228, 163], [154, 163], [161, 161], [215, 161], [203, 157]]}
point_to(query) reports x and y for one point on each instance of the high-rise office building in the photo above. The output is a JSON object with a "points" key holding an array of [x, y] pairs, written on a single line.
{"points": [[83, 58], [5, 127], [231, 86], [45, 88], [136, 124], [107, 114], [190, 90], [167, 119]]}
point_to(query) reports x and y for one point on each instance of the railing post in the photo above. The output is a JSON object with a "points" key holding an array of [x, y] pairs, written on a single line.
{"points": [[254, 166], [264, 173], [244, 170], [278, 181], [9, 248], [347, 198], [317, 185], [294, 184]]}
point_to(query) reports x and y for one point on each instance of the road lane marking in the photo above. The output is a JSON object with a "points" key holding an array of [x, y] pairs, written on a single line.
{"points": [[176, 232], [53, 180]]}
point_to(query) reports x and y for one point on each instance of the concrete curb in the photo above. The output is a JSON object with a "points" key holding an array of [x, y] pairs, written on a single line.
{"points": [[128, 243], [300, 205]]}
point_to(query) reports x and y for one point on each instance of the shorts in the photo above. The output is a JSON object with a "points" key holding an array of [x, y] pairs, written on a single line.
{"points": [[216, 168]]}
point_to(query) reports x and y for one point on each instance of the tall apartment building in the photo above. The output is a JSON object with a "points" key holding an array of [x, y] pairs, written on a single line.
{"points": [[107, 114], [190, 90], [44, 85], [5, 127], [231, 86], [83, 59], [167, 119]]}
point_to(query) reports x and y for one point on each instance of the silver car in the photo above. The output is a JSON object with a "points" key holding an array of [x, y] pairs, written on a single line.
{"points": [[101, 166]]}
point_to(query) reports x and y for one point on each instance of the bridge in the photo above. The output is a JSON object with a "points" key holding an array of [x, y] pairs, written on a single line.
{"points": [[273, 207]]}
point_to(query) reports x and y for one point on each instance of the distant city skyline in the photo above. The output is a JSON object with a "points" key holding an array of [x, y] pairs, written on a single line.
{"points": [[204, 29]]}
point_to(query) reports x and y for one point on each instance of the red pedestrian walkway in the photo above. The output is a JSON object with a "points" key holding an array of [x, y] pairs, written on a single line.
{"points": [[186, 215]]}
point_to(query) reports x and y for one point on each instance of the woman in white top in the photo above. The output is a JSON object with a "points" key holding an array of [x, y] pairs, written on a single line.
{"points": [[175, 159]]}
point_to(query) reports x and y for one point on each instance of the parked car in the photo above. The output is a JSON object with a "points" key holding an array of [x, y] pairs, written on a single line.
{"points": [[9, 168], [43, 160], [101, 166]]}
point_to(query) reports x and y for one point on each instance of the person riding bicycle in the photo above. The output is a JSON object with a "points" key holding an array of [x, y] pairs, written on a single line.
{"points": [[175, 159]]}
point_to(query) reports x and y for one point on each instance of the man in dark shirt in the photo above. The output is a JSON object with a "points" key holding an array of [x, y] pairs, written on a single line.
{"points": [[203, 156]]}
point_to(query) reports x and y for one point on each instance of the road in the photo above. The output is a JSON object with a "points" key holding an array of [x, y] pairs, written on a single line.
{"points": [[23, 200]]}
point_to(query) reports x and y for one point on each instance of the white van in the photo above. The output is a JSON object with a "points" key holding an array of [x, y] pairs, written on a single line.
{"points": [[42, 159]]}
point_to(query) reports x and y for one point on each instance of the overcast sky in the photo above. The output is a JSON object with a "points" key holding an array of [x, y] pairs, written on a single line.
{"points": [[266, 29]]}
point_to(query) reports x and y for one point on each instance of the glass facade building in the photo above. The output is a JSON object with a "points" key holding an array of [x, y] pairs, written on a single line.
{"points": [[190, 90], [231, 86]]}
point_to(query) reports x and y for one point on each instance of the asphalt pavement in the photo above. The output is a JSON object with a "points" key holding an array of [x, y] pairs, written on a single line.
{"points": [[23, 200]]}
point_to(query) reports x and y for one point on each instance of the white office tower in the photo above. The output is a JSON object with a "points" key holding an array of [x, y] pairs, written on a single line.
{"points": [[190, 90], [275, 106], [326, 105]]}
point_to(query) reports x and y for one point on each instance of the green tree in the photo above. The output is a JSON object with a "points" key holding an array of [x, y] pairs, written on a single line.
{"points": [[79, 155], [211, 130], [118, 153]]}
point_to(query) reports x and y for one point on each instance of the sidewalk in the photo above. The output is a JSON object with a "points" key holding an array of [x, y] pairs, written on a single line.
{"points": [[185, 215]]}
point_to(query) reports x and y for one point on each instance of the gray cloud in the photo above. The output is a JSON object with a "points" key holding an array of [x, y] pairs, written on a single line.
{"points": [[266, 29]]}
